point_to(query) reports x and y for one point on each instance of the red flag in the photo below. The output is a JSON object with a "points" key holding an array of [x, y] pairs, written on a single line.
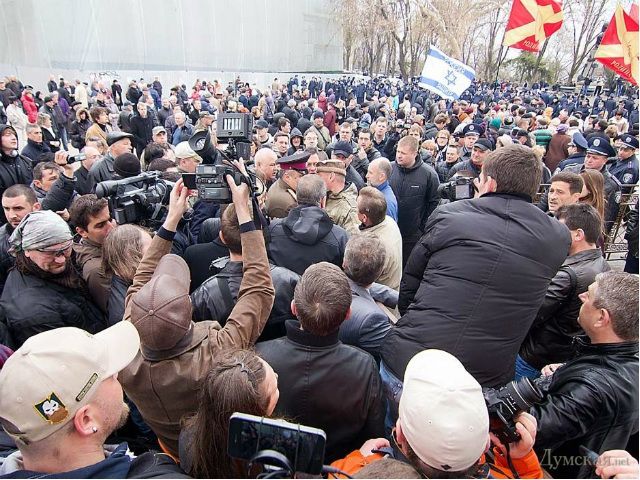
{"points": [[618, 49], [531, 22], [634, 11]]}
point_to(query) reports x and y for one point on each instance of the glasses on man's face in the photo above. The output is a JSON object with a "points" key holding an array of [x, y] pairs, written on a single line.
{"points": [[64, 251]]}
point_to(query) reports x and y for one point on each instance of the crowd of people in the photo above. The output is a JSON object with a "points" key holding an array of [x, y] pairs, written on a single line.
{"points": [[399, 259]]}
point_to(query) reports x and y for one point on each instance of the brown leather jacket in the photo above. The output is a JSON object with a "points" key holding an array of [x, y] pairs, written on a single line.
{"points": [[165, 385]]}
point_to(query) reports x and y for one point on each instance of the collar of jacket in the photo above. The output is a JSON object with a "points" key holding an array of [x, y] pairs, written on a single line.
{"points": [[383, 186], [590, 254], [195, 335], [584, 347], [416, 165], [297, 335], [519, 196]]}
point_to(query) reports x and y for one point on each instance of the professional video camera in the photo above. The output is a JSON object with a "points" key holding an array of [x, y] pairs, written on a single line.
{"points": [[209, 179], [142, 199], [459, 188], [506, 403]]}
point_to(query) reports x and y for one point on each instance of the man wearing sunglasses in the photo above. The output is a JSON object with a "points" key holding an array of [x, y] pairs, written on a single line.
{"points": [[45, 291]]}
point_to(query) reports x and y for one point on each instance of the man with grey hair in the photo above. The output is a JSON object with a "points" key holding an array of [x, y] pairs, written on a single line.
{"points": [[45, 290], [592, 400], [378, 176], [183, 130], [307, 234], [368, 325]]}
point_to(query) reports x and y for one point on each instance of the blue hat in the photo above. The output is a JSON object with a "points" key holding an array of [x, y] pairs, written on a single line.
{"points": [[472, 129], [629, 141], [600, 146], [579, 141]]}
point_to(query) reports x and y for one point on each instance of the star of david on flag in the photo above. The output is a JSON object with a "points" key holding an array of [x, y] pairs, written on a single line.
{"points": [[445, 76]]}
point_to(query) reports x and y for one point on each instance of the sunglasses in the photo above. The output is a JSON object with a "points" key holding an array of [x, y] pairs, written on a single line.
{"points": [[57, 252]]}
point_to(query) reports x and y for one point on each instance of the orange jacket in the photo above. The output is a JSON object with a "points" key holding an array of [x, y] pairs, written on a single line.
{"points": [[527, 467]]}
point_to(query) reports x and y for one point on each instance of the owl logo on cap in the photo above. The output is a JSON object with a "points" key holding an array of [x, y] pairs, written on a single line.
{"points": [[596, 142], [52, 409]]}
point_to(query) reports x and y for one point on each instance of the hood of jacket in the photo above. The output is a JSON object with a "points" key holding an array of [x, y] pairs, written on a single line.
{"points": [[80, 110], [307, 224]]}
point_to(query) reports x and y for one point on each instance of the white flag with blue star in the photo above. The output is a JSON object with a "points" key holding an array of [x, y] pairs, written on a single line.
{"points": [[444, 75]]}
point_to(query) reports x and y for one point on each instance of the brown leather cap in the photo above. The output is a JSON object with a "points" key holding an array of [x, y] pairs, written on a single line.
{"points": [[161, 310]]}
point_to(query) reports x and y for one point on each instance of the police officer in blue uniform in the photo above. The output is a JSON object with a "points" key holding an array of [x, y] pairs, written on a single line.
{"points": [[577, 151], [471, 133], [599, 151], [625, 165]]}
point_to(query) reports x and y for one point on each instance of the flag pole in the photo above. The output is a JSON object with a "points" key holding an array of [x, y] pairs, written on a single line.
{"points": [[500, 58]]}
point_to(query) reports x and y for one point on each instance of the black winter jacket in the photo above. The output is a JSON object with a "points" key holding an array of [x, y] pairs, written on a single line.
{"points": [[214, 300], [13, 170], [141, 128], [306, 236], [328, 385], [33, 150], [475, 282], [33, 305], [7, 261], [416, 189], [551, 335], [591, 401]]}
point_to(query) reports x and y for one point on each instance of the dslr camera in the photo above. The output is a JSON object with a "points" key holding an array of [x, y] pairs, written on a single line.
{"points": [[142, 199], [209, 179], [506, 403], [459, 188]]}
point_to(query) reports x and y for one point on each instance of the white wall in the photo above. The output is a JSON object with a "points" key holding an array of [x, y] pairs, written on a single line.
{"points": [[178, 40]]}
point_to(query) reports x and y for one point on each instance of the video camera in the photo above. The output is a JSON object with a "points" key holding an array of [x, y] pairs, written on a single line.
{"points": [[142, 199], [459, 188], [281, 447], [504, 404], [209, 179]]}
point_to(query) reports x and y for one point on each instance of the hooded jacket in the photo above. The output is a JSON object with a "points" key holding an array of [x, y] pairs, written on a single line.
{"points": [[13, 169], [30, 107], [306, 236], [78, 129]]}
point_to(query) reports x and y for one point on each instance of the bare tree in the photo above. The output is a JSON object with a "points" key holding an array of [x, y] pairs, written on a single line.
{"points": [[584, 19]]}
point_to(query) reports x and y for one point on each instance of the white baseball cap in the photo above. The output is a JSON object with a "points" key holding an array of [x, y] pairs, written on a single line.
{"points": [[183, 150], [442, 412], [53, 374]]}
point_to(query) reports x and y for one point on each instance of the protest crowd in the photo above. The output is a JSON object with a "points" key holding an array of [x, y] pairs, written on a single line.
{"points": [[422, 279]]}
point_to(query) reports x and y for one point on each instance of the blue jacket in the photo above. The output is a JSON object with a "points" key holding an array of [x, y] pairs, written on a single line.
{"points": [[118, 464], [390, 197]]}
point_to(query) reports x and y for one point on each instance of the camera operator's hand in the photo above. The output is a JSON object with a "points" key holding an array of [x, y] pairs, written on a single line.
{"points": [[178, 204], [60, 158], [526, 426], [239, 164], [617, 464], [550, 369], [240, 195], [373, 444]]}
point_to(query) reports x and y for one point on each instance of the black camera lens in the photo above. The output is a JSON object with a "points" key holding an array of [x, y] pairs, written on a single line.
{"points": [[524, 393]]}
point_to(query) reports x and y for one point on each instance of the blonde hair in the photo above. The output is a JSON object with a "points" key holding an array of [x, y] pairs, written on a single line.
{"points": [[122, 250]]}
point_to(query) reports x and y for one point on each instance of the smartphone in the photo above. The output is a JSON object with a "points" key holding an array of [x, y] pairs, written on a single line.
{"points": [[303, 446], [189, 180]]}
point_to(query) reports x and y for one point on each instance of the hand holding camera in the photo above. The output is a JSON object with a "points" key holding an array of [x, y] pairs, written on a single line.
{"points": [[526, 427]]}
